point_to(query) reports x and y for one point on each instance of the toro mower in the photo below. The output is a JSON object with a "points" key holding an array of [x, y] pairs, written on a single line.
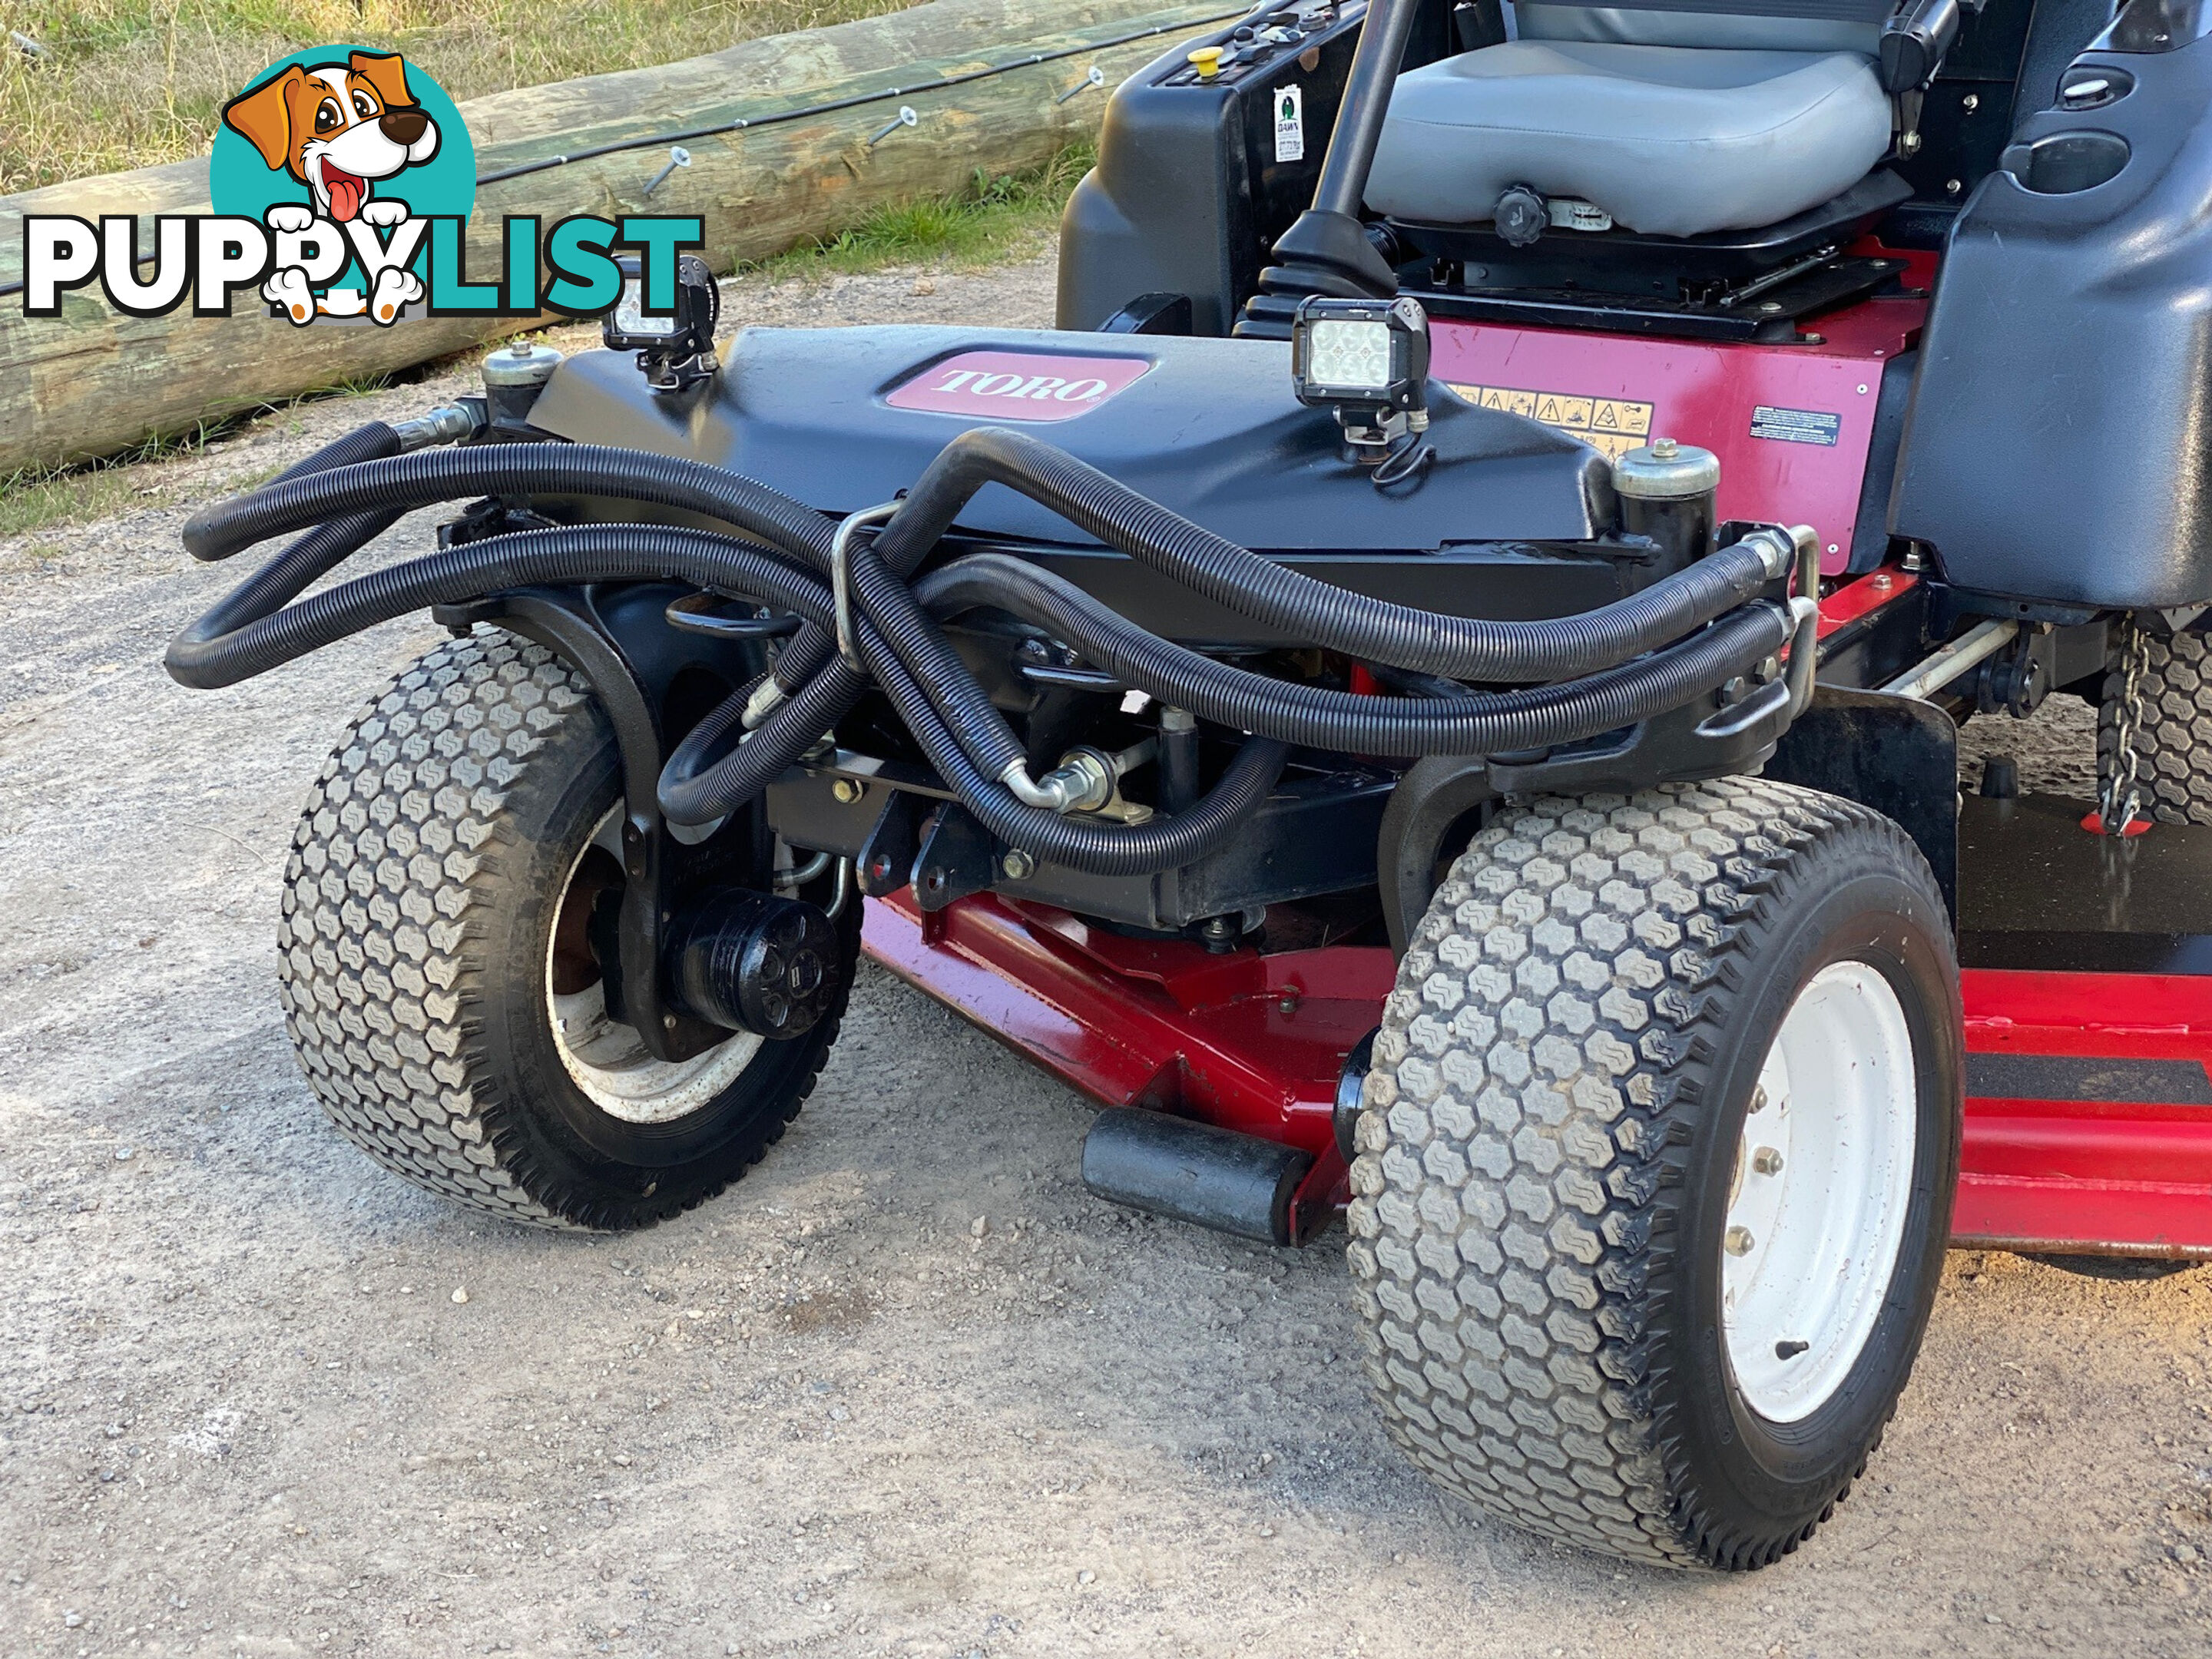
{"points": [[1432, 695]]}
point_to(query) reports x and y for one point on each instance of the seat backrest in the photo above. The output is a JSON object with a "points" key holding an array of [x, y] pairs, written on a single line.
{"points": [[1756, 25]]}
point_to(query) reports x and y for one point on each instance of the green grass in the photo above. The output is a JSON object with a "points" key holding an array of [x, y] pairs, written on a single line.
{"points": [[34, 501], [48, 497], [993, 220], [127, 83], [40, 498]]}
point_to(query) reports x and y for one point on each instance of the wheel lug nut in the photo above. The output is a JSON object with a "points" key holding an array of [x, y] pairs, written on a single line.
{"points": [[1738, 1241], [1766, 1161], [1759, 1099]]}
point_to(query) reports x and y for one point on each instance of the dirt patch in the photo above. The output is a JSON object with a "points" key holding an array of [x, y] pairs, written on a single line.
{"points": [[243, 1409]]}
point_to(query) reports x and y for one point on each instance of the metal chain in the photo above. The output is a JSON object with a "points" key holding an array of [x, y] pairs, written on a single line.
{"points": [[2120, 800]]}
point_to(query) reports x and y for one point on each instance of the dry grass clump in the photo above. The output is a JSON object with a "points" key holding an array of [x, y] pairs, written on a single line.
{"points": [[125, 83]]}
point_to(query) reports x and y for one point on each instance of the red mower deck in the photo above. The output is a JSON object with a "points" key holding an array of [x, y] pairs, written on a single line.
{"points": [[2089, 1109]]}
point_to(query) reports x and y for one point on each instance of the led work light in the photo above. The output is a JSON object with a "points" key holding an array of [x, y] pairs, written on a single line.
{"points": [[675, 349], [1368, 361]]}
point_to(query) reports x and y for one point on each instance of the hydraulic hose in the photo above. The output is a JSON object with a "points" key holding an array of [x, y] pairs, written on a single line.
{"points": [[1097, 849], [1316, 611], [287, 576], [706, 778], [782, 551], [1472, 723], [645, 552], [406, 482], [578, 554], [372, 442], [399, 484]]}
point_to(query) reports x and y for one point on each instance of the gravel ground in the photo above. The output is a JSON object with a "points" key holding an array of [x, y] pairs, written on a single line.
{"points": [[907, 1389]]}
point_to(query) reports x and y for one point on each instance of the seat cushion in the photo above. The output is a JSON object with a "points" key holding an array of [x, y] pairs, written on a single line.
{"points": [[1671, 140], [1726, 31]]}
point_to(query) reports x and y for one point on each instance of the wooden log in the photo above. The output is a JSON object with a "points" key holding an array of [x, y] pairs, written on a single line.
{"points": [[91, 381]]}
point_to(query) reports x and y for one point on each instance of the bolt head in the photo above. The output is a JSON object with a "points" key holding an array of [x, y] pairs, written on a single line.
{"points": [[848, 790], [1018, 865]]}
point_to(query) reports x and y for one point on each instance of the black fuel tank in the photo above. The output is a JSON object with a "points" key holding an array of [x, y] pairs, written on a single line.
{"points": [[2059, 442], [844, 418]]}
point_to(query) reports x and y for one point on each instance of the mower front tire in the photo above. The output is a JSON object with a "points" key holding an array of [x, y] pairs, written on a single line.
{"points": [[437, 972], [1655, 1164]]}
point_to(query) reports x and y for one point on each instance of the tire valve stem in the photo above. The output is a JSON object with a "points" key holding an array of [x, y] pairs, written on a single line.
{"points": [[1766, 1161], [1790, 1349], [1738, 1241]]}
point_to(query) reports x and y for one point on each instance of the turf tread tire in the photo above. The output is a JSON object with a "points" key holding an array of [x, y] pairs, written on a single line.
{"points": [[1523, 1144], [405, 848]]}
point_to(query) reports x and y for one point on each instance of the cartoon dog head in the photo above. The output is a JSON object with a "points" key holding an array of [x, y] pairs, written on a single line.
{"points": [[336, 128]]}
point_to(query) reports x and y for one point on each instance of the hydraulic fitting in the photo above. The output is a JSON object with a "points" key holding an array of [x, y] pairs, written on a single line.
{"points": [[1086, 781], [766, 697], [452, 424]]}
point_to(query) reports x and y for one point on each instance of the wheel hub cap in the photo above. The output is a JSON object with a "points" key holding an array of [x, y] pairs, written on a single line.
{"points": [[1823, 1181]]}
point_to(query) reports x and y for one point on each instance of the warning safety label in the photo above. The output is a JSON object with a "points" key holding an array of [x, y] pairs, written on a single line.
{"points": [[1797, 426], [1612, 425]]}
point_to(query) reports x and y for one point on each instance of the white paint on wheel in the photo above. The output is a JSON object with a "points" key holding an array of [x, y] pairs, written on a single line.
{"points": [[1823, 1181], [609, 1061]]}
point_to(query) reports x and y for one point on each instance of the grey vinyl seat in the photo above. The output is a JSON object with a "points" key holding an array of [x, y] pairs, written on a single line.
{"points": [[1674, 123]]}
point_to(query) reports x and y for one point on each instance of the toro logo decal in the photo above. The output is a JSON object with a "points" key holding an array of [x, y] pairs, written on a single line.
{"points": [[1018, 386]]}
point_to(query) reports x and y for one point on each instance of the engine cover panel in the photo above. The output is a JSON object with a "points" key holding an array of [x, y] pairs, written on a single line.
{"points": [[845, 418]]}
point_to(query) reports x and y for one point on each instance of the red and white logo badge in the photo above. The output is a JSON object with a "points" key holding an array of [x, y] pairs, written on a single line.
{"points": [[1018, 386]]}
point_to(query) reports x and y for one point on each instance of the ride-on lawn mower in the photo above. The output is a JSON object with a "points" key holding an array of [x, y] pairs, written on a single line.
{"points": [[1432, 695]]}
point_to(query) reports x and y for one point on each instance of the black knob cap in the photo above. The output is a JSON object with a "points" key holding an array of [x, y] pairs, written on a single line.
{"points": [[1520, 217]]}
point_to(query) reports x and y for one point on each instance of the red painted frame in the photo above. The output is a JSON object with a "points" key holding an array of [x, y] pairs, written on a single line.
{"points": [[1255, 1042], [1252, 1042], [1710, 394], [2084, 1176]]}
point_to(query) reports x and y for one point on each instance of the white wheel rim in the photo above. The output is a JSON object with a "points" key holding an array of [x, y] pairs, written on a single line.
{"points": [[607, 1059], [1823, 1181]]}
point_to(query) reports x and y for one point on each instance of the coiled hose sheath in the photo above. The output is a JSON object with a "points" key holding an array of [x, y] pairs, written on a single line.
{"points": [[287, 576], [706, 777], [592, 470], [1317, 611], [1470, 723], [353, 490], [654, 552]]}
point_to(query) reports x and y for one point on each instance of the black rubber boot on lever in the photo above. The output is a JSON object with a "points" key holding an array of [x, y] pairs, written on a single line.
{"points": [[1327, 250]]}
